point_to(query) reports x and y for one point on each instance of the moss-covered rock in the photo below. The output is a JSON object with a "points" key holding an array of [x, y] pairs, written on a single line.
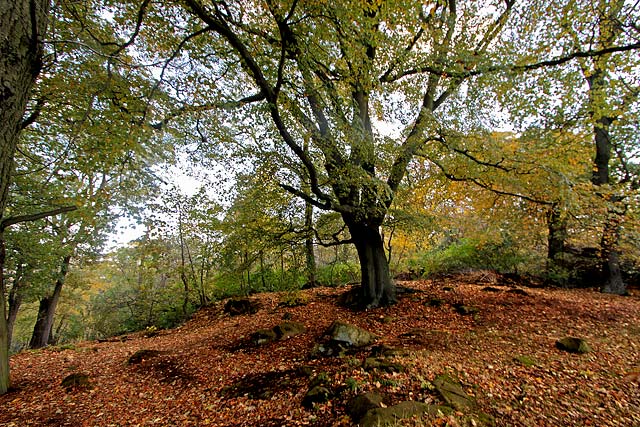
{"points": [[382, 364], [573, 345], [452, 393], [350, 334], [289, 329], [238, 306], [316, 394], [263, 336], [387, 417], [363, 403], [75, 381]]}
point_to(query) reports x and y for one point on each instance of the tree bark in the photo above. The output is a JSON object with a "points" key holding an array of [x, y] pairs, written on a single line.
{"points": [[23, 24], [47, 310], [310, 267], [15, 301], [613, 284], [377, 287], [557, 237]]}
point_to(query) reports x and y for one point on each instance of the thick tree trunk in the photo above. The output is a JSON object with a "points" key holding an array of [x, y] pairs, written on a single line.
{"points": [[47, 310], [377, 287], [23, 23]]}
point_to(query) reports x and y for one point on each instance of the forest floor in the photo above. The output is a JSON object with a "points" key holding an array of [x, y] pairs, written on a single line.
{"points": [[208, 373]]}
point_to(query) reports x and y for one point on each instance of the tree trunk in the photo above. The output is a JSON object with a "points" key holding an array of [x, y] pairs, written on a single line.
{"points": [[557, 238], [377, 288], [23, 24], [613, 284], [15, 301], [310, 266], [47, 310]]}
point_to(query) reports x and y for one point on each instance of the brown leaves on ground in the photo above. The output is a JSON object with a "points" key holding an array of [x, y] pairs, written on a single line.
{"points": [[208, 372]]}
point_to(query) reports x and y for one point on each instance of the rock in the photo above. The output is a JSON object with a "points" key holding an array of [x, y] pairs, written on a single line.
{"points": [[451, 391], [526, 361], [75, 381], [238, 306], [263, 336], [384, 350], [466, 309], [435, 302], [490, 289], [518, 291], [350, 334], [316, 394], [329, 349], [573, 345], [142, 355], [350, 298], [358, 406], [284, 330], [382, 364], [289, 329], [387, 417]]}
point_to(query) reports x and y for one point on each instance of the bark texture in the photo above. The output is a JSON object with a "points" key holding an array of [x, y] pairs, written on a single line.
{"points": [[377, 287], [23, 24], [47, 309]]}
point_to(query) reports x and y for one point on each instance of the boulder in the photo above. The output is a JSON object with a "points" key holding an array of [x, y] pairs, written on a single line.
{"points": [[283, 330], [263, 336], [288, 329], [75, 381], [358, 406], [238, 306], [317, 394], [466, 309], [350, 334], [452, 393], [382, 364], [387, 417], [573, 345]]}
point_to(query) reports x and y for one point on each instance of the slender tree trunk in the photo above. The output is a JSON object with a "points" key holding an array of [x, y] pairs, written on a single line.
{"points": [[377, 287], [47, 310], [614, 284], [557, 238], [15, 301], [23, 24]]}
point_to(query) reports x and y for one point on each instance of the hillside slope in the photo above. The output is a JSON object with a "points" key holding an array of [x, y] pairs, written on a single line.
{"points": [[209, 372]]}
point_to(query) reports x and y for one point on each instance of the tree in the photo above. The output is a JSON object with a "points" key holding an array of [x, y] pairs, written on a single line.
{"points": [[326, 73], [23, 25]]}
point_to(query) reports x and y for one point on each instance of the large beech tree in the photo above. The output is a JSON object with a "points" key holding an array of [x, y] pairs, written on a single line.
{"points": [[337, 77]]}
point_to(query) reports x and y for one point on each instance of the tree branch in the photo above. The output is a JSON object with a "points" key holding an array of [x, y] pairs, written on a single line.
{"points": [[12, 220]]}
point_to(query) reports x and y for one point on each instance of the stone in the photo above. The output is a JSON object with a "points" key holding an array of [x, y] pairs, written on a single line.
{"points": [[573, 345], [316, 394], [466, 309], [382, 364], [452, 393], [263, 336], [358, 406], [388, 417], [289, 329], [142, 355], [350, 334], [75, 381], [239, 306]]}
